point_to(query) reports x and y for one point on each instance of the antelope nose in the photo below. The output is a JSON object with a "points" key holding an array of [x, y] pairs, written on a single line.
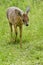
{"points": [[26, 24]]}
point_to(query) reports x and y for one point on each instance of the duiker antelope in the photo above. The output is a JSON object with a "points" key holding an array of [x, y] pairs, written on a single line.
{"points": [[17, 18]]}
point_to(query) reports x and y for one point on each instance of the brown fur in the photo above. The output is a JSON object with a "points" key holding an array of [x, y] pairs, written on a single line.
{"points": [[16, 18]]}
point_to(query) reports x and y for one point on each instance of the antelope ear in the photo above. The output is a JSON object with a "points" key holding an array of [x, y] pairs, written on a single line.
{"points": [[18, 12], [27, 9]]}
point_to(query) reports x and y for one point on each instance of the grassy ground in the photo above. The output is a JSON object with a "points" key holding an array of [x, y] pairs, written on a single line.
{"points": [[31, 52]]}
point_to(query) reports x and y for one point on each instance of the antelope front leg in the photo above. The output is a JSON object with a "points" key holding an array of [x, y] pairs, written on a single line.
{"points": [[11, 30], [15, 32], [20, 36]]}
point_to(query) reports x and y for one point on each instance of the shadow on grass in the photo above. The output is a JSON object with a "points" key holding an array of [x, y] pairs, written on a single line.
{"points": [[25, 43], [13, 42]]}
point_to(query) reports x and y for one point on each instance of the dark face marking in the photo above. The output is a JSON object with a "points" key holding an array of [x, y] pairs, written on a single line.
{"points": [[25, 19]]}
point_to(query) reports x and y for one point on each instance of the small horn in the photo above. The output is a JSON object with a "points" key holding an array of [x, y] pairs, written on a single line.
{"points": [[27, 9]]}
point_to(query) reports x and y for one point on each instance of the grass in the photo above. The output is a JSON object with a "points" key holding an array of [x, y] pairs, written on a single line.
{"points": [[31, 52]]}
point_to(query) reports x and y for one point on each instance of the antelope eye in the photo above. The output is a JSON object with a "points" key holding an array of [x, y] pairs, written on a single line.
{"points": [[23, 20]]}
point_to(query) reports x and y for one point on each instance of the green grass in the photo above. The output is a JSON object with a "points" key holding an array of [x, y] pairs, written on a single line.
{"points": [[31, 52]]}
